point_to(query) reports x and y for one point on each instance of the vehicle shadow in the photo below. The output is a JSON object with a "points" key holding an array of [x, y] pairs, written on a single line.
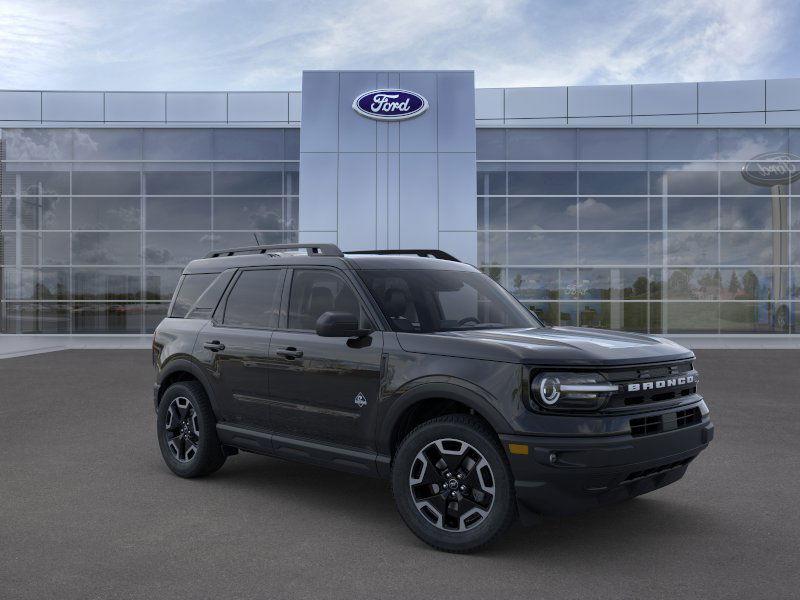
{"points": [[641, 523]]}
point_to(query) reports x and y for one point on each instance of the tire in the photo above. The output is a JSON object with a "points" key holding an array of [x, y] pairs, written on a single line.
{"points": [[475, 483], [186, 430]]}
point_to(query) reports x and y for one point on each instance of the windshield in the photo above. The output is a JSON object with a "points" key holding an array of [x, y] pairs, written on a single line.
{"points": [[427, 301]]}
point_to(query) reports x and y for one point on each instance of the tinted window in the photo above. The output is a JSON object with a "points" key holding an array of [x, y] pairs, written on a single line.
{"points": [[254, 299], [432, 300], [315, 292], [190, 289]]}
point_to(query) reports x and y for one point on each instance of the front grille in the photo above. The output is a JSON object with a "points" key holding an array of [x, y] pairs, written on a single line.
{"points": [[649, 378], [667, 422], [637, 475]]}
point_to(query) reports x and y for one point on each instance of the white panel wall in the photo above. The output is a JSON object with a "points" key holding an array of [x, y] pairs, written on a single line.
{"points": [[136, 107]]}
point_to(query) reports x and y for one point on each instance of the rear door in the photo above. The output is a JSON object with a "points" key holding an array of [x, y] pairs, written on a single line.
{"points": [[234, 345], [324, 389]]}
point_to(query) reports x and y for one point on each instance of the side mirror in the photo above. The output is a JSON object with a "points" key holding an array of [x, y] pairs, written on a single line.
{"points": [[340, 324]]}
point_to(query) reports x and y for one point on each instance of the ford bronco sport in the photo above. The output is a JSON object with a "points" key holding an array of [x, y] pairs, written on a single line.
{"points": [[412, 366]]}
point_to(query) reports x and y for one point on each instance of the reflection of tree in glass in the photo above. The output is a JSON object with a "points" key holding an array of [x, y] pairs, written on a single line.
{"points": [[734, 286], [494, 272], [750, 285], [639, 288]]}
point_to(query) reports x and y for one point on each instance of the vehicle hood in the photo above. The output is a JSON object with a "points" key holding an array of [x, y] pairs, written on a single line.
{"points": [[574, 346]]}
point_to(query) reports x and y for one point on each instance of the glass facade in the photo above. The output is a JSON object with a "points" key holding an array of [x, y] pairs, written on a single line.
{"points": [[97, 224], [647, 230]]}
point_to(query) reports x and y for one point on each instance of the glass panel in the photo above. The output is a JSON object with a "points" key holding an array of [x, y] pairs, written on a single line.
{"points": [[691, 317], [107, 317], [613, 249], [118, 183], [47, 317], [692, 248], [249, 182], [612, 213], [628, 316], [542, 249], [692, 213], [178, 183], [745, 144], [248, 213], [754, 283], [542, 284], [613, 182], [490, 144], [44, 212], [102, 248], [754, 213], [154, 313], [178, 144], [49, 248], [38, 144], [176, 248], [237, 239], [682, 144], [36, 182], [291, 179], [541, 144], [174, 212], [107, 144], [291, 144], [528, 180], [8, 214], [547, 312], [693, 284], [612, 144], [746, 317], [36, 284], [160, 283], [612, 284], [106, 213], [542, 213], [733, 182], [248, 144], [491, 213], [106, 284], [673, 180], [491, 179], [753, 248]]}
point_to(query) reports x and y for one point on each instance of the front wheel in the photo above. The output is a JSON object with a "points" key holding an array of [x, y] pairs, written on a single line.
{"points": [[452, 484], [187, 434]]}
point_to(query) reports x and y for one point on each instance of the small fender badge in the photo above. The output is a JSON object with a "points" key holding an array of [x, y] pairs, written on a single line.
{"points": [[361, 400]]}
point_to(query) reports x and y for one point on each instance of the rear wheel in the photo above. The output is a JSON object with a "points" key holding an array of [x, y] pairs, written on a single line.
{"points": [[452, 484], [187, 434]]}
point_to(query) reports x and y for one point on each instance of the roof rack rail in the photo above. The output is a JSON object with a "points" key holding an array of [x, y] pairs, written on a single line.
{"points": [[432, 253], [312, 249]]}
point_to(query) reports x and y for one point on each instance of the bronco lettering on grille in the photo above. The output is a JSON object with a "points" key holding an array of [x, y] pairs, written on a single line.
{"points": [[660, 383]]}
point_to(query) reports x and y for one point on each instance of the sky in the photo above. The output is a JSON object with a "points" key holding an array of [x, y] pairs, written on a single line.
{"points": [[264, 45]]}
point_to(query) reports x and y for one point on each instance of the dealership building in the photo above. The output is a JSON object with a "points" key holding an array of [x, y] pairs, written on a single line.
{"points": [[662, 208]]}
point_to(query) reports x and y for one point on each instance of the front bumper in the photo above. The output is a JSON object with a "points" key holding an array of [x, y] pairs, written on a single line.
{"points": [[563, 475]]}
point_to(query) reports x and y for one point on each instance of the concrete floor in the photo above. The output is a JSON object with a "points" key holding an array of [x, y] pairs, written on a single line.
{"points": [[88, 510]]}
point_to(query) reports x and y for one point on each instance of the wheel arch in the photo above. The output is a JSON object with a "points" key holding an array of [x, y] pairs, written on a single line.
{"points": [[429, 400], [181, 369]]}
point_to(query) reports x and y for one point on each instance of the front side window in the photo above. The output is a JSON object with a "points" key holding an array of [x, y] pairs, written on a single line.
{"points": [[427, 301], [316, 291], [254, 300]]}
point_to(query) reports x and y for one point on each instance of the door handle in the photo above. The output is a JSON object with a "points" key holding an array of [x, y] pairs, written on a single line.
{"points": [[214, 346], [290, 353]]}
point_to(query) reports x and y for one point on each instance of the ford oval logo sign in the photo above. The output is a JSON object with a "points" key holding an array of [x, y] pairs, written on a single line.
{"points": [[390, 105], [772, 168]]}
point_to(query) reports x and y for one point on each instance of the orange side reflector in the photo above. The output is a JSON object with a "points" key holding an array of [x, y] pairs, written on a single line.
{"points": [[518, 448]]}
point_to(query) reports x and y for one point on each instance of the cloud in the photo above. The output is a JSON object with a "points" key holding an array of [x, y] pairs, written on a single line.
{"points": [[214, 44]]}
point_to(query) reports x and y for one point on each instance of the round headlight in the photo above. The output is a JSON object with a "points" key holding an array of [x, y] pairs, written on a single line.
{"points": [[550, 390]]}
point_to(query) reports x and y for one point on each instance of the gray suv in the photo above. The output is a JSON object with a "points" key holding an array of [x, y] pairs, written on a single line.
{"points": [[412, 366]]}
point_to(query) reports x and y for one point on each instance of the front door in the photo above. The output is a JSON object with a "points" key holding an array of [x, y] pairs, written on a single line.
{"points": [[234, 346], [325, 389]]}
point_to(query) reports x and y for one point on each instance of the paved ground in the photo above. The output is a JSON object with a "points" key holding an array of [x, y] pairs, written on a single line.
{"points": [[87, 509]]}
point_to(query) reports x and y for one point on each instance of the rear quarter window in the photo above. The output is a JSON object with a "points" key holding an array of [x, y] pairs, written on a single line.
{"points": [[198, 294]]}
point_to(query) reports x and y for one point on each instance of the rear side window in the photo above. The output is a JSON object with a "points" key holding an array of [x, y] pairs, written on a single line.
{"points": [[315, 292], [190, 289], [255, 299]]}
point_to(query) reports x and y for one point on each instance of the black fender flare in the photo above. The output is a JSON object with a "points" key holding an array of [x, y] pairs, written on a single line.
{"points": [[448, 389], [186, 365]]}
